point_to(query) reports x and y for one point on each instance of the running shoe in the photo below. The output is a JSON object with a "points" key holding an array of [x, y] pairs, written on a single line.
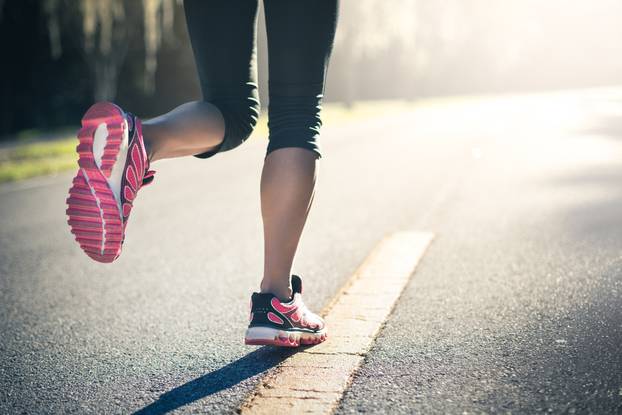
{"points": [[113, 166], [287, 324]]}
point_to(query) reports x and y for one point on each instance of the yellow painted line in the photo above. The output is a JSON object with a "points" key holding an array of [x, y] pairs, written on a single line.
{"points": [[314, 379]]}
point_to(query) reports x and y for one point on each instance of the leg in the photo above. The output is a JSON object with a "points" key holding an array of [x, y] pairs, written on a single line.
{"points": [[222, 33], [287, 189], [191, 128], [300, 38]]}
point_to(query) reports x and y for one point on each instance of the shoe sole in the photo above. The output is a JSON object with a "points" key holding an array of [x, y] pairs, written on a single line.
{"points": [[266, 336], [94, 215]]}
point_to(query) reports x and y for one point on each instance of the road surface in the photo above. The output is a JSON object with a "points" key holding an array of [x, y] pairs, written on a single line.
{"points": [[516, 306]]}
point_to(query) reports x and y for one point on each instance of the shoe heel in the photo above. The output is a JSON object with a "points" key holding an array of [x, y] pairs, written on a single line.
{"points": [[262, 336], [116, 125]]}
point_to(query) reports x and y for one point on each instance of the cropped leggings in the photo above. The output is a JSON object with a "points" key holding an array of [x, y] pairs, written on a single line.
{"points": [[300, 38]]}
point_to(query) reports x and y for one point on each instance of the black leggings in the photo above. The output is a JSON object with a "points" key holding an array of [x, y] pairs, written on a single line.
{"points": [[300, 39]]}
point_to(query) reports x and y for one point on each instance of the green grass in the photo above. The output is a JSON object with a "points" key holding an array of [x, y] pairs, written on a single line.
{"points": [[48, 157], [36, 159], [42, 150], [18, 170]]}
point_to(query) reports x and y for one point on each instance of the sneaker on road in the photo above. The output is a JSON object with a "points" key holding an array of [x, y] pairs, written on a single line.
{"points": [[287, 324], [113, 167]]}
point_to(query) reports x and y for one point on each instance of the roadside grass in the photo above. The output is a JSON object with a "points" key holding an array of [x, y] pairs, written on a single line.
{"points": [[38, 158]]}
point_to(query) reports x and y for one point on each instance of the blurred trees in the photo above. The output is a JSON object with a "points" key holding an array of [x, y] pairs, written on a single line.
{"points": [[108, 28], [369, 33], [64, 54], [60, 55]]}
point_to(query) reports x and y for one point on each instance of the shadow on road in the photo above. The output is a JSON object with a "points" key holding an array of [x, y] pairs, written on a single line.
{"points": [[235, 372]]}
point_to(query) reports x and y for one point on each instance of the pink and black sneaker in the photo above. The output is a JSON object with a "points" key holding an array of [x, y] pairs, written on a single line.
{"points": [[288, 324], [113, 167]]}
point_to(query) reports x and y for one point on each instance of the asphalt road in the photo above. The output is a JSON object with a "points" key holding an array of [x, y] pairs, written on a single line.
{"points": [[516, 307]]}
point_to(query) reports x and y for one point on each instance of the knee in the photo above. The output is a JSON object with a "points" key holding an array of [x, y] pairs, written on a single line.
{"points": [[294, 121], [240, 116]]}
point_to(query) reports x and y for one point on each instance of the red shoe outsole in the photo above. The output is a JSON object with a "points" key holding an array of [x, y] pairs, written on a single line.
{"points": [[94, 215]]}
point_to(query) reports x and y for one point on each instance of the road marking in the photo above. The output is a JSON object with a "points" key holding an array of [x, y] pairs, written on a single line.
{"points": [[314, 379]]}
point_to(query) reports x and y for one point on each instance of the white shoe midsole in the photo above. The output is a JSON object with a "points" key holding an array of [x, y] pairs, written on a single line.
{"points": [[116, 174], [99, 143], [268, 333]]}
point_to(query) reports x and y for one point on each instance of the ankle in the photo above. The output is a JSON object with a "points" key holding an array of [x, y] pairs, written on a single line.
{"points": [[149, 149], [150, 145], [282, 292]]}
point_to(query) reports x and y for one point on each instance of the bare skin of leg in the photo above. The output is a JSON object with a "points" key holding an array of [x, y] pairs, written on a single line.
{"points": [[287, 191], [191, 128], [287, 182]]}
